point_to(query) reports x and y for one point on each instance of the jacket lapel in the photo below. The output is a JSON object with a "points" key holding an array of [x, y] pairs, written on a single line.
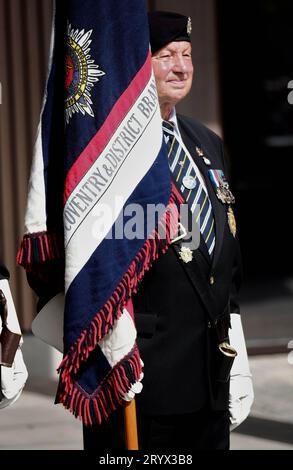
{"points": [[197, 271]]}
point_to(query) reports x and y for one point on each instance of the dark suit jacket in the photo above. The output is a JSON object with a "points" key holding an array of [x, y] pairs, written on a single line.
{"points": [[179, 303]]}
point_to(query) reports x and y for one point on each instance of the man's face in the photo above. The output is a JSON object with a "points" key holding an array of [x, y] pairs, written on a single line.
{"points": [[173, 71]]}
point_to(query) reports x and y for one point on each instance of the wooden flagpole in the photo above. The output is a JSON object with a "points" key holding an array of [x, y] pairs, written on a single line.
{"points": [[130, 426]]}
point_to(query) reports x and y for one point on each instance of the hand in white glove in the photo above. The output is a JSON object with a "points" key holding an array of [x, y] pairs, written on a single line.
{"points": [[135, 388], [12, 320], [13, 380], [241, 394], [48, 326], [118, 342]]}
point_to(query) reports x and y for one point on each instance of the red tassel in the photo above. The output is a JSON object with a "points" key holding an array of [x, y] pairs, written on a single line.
{"points": [[36, 248], [108, 395]]}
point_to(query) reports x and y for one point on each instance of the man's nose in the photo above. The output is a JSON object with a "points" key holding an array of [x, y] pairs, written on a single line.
{"points": [[179, 64]]}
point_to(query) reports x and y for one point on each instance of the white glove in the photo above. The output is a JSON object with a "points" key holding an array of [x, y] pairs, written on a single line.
{"points": [[119, 341], [48, 326], [12, 378], [241, 394], [135, 388], [12, 320]]}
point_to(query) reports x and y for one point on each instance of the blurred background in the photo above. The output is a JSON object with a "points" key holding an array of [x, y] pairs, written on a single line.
{"points": [[242, 53]]}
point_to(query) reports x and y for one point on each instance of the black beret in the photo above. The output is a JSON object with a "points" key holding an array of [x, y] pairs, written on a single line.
{"points": [[166, 27]]}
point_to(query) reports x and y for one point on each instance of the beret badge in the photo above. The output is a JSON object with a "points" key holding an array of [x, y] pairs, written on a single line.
{"points": [[189, 26]]}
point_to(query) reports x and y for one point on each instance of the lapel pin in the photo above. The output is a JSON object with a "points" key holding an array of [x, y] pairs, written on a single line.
{"points": [[185, 254], [200, 153], [189, 182]]}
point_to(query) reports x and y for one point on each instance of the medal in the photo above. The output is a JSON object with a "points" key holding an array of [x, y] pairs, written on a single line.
{"points": [[189, 182], [231, 221], [221, 186], [220, 195], [225, 195]]}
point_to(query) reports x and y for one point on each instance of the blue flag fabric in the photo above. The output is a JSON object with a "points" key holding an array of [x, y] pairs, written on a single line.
{"points": [[99, 156]]}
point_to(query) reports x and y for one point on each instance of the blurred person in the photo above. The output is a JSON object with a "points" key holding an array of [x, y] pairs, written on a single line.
{"points": [[12, 367]]}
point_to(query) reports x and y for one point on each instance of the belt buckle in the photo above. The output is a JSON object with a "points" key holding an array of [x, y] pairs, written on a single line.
{"points": [[182, 229], [227, 349]]}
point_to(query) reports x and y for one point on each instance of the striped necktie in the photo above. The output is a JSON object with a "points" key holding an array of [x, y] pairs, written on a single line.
{"points": [[182, 166]]}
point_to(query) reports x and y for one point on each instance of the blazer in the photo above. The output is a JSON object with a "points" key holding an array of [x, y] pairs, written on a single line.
{"points": [[178, 305]]}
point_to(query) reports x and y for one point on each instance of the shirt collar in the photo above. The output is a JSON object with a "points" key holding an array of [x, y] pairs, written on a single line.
{"points": [[173, 119]]}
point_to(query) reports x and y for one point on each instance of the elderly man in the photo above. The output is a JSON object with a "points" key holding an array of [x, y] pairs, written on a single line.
{"points": [[12, 367], [188, 300]]}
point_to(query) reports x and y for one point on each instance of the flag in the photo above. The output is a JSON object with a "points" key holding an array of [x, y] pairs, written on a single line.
{"points": [[99, 158]]}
